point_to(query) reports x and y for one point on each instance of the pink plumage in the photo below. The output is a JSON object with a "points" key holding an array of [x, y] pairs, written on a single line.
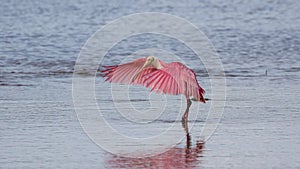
{"points": [[169, 78]]}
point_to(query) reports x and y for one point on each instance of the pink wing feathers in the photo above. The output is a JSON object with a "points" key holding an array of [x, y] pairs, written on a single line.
{"points": [[124, 73], [175, 78]]}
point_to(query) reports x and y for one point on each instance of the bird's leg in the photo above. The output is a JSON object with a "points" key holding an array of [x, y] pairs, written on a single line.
{"points": [[186, 113]]}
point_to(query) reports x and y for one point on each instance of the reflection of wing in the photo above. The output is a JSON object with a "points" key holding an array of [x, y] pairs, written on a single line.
{"points": [[124, 73], [175, 79], [176, 157]]}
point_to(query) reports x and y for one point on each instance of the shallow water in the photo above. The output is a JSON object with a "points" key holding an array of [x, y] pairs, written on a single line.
{"points": [[260, 125]]}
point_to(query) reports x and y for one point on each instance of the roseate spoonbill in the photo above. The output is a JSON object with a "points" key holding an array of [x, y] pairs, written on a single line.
{"points": [[169, 78]]}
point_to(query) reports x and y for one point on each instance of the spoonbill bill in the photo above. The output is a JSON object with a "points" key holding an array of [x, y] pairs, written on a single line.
{"points": [[168, 78]]}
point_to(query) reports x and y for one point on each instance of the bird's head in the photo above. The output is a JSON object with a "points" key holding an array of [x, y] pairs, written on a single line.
{"points": [[149, 61]]}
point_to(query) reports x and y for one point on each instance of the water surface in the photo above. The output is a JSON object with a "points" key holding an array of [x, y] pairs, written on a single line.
{"points": [[258, 43]]}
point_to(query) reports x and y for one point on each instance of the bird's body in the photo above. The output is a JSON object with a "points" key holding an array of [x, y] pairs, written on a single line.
{"points": [[169, 78]]}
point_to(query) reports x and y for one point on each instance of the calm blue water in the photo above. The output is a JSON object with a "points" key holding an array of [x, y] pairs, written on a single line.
{"points": [[39, 44]]}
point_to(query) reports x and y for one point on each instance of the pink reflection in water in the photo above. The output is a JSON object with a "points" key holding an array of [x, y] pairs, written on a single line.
{"points": [[186, 157]]}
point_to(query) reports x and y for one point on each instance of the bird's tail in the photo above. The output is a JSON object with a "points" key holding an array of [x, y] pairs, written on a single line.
{"points": [[201, 92], [202, 99]]}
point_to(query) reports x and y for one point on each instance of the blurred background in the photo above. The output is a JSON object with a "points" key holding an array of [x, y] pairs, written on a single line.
{"points": [[259, 45]]}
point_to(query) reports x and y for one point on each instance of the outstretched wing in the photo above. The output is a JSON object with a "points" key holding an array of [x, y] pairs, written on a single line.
{"points": [[175, 78], [124, 73]]}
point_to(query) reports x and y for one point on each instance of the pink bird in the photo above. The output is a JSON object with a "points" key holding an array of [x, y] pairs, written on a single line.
{"points": [[169, 78]]}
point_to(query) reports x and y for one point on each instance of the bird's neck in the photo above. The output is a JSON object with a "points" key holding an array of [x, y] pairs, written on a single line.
{"points": [[156, 64]]}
